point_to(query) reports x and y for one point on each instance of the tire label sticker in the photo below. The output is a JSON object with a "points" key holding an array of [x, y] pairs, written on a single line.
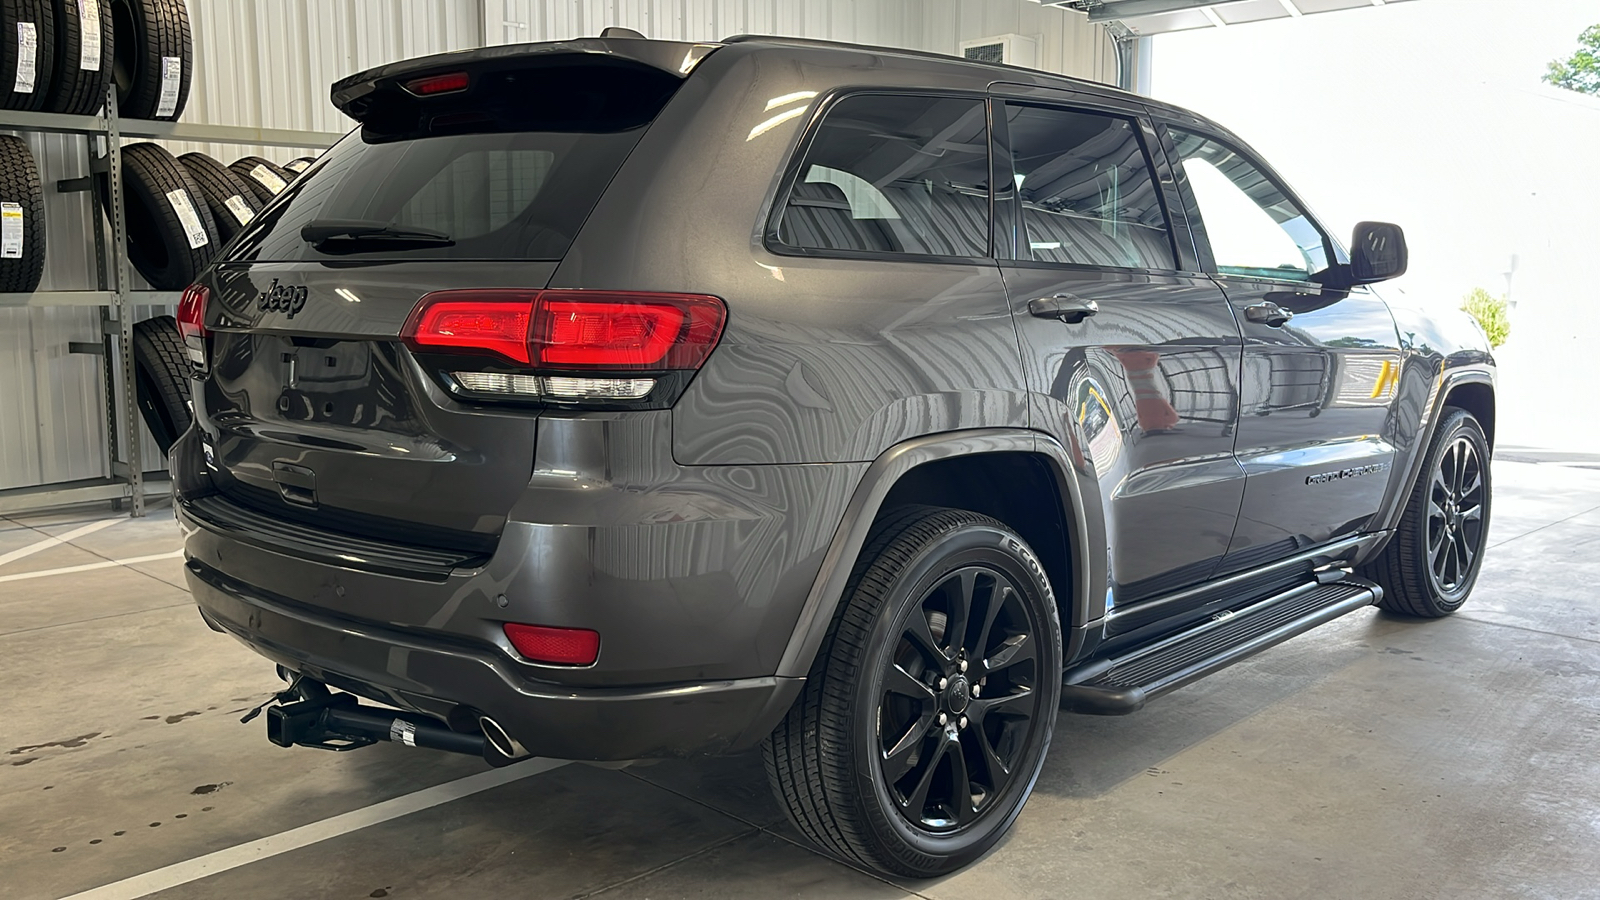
{"points": [[89, 35], [192, 228], [171, 81], [298, 165], [239, 208], [10, 231], [27, 56], [270, 179]]}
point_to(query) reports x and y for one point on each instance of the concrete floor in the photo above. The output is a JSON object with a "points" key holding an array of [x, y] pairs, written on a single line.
{"points": [[1374, 758]]}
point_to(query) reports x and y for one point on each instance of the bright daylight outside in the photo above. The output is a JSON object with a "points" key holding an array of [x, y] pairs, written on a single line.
{"points": [[1439, 116]]}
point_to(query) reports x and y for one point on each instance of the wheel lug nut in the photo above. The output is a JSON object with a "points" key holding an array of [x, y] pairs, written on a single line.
{"points": [[943, 718], [963, 665], [963, 722], [976, 689], [943, 682]]}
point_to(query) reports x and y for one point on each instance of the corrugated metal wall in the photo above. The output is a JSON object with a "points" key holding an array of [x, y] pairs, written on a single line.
{"points": [[1067, 42], [269, 63]]}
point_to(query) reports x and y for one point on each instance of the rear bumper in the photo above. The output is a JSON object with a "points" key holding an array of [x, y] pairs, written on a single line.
{"points": [[433, 674]]}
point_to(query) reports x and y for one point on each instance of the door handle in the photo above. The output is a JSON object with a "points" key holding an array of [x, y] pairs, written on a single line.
{"points": [[1065, 307], [1268, 313]]}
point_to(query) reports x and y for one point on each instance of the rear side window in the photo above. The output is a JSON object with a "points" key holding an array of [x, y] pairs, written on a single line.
{"points": [[902, 174], [489, 176], [1088, 196]]}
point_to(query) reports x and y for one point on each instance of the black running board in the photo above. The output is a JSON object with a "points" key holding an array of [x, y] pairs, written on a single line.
{"points": [[1121, 685]]}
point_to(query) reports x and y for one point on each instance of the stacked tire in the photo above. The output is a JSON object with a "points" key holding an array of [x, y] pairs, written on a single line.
{"points": [[171, 232], [229, 197], [59, 55], [27, 52], [21, 218], [266, 179]]}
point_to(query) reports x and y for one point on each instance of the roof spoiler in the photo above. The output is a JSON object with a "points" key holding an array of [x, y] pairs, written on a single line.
{"points": [[618, 47]]}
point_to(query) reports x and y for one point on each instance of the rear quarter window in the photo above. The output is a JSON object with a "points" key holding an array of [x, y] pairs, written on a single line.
{"points": [[893, 174]]}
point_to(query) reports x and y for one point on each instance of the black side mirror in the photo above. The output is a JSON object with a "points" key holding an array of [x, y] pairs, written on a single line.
{"points": [[1377, 253]]}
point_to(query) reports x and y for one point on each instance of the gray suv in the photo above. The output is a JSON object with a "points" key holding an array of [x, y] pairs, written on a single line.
{"points": [[613, 398]]}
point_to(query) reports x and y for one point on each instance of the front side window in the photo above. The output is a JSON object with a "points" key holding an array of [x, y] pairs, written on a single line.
{"points": [[894, 174], [1088, 196], [1255, 230]]}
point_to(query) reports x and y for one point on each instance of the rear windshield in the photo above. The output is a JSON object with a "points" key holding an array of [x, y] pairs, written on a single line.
{"points": [[508, 188]]}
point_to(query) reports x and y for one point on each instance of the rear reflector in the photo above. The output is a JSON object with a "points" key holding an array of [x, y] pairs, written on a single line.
{"points": [[438, 84], [566, 329], [561, 646], [192, 321]]}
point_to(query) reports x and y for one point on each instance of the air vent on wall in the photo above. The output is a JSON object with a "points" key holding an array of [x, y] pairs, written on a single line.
{"points": [[1011, 49]]}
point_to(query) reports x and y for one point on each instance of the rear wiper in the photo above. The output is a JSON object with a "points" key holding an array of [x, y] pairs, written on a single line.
{"points": [[322, 230]]}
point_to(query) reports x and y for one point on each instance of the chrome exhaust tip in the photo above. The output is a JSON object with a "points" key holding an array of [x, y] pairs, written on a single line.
{"points": [[500, 747]]}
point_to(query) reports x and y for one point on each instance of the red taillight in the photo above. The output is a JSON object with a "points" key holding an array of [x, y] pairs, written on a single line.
{"points": [[192, 312], [192, 322], [474, 322], [438, 84], [571, 330], [561, 646]]}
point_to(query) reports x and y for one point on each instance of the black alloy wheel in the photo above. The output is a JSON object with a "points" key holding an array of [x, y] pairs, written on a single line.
{"points": [[958, 698], [927, 713], [1455, 516], [1430, 565]]}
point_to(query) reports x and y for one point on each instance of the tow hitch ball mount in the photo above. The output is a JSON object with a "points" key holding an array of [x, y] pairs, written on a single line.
{"points": [[307, 714]]}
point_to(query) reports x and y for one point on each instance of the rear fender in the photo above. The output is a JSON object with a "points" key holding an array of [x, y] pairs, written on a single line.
{"points": [[1086, 533]]}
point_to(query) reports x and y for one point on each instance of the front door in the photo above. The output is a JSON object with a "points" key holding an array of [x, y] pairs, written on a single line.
{"points": [[1132, 356], [1320, 367]]}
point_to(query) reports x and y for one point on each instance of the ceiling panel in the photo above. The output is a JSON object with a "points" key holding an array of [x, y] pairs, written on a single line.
{"points": [[1163, 16]]}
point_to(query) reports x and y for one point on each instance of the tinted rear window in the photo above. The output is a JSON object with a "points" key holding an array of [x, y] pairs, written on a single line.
{"points": [[500, 186]]}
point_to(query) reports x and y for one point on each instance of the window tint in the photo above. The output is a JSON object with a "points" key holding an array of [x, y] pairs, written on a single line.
{"points": [[509, 170], [1088, 197], [478, 192], [894, 174], [1255, 230]]}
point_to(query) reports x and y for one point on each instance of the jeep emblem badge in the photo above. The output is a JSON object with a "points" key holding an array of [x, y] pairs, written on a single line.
{"points": [[282, 298]]}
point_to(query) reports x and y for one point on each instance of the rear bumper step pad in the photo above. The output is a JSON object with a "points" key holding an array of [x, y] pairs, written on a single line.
{"points": [[1122, 685]]}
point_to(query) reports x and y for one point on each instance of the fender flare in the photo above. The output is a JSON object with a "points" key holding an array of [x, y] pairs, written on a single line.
{"points": [[827, 590], [1443, 383]]}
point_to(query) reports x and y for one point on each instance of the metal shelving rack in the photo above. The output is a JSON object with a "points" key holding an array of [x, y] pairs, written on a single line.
{"points": [[115, 295]]}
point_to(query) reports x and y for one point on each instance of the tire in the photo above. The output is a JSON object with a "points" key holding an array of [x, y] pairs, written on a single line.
{"points": [[267, 179], [36, 76], [841, 787], [146, 34], [162, 379], [74, 89], [1422, 571], [19, 185], [159, 246], [231, 201], [299, 164]]}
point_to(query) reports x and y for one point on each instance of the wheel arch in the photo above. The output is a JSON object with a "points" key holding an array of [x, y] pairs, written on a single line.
{"points": [[1476, 397], [965, 470]]}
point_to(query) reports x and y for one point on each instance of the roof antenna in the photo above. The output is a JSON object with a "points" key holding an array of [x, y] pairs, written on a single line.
{"points": [[616, 31]]}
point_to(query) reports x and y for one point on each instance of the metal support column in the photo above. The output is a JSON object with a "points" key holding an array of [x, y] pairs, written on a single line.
{"points": [[129, 405]]}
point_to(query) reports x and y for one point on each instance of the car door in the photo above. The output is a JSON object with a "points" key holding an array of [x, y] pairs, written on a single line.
{"points": [[1132, 355], [1320, 367]]}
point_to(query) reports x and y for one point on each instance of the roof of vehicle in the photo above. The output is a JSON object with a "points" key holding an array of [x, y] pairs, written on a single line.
{"points": [[682, 57]]}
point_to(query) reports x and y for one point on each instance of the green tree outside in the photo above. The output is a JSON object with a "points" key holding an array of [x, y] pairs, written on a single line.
{"points": [[1490, 311], [1581, 71]]}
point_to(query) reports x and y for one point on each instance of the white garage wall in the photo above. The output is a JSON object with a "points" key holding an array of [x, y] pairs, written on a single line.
{"points": [[269, 63]]}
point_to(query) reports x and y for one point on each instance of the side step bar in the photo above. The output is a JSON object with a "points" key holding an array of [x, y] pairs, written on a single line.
{"points": [[1121, 685]]}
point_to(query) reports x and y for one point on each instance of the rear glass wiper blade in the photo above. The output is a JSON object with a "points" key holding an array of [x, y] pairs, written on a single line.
{"points": [[320, 230]]}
